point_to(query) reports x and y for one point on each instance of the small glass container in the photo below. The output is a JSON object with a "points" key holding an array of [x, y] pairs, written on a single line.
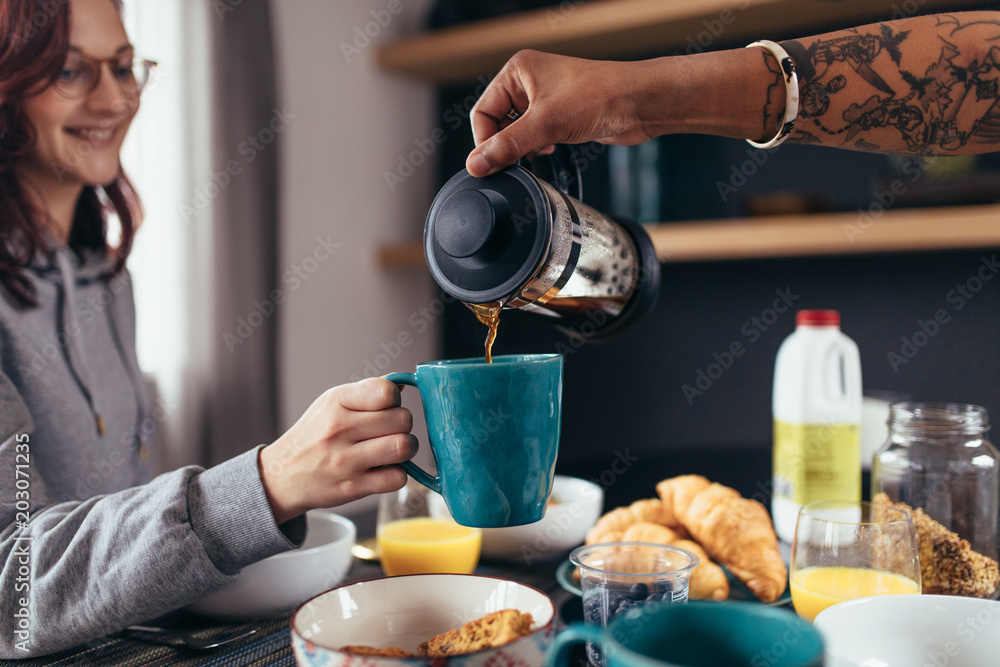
{"points": [[938, 459], [618, 576]]}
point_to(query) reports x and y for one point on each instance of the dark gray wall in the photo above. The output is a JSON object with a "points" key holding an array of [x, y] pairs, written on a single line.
{"points": [[628, 393]]}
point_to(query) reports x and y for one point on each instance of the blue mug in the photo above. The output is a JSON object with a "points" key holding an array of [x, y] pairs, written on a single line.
{"points": [[494, 432], [699, 634]]}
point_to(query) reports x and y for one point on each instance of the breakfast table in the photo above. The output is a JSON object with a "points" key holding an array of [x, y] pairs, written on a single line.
{"points": [[271, 645]]}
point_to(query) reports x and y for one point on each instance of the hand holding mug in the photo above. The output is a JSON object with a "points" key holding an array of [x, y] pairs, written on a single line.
{"points": [[346, 446], [494, 433]]}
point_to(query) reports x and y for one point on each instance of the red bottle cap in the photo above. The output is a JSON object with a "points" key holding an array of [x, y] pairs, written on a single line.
{"points": [[817, 318]]}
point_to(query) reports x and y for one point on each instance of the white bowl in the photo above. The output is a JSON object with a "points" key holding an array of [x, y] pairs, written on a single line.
{"points": [[408, 610], [911, 631], [279, 584], [577, 507]]}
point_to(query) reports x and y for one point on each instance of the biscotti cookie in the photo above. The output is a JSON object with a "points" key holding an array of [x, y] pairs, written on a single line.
{"points": [[495, 629]]}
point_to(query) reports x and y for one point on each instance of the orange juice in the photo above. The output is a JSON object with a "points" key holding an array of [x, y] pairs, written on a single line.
{"points": [[816, 588], [423, 544]]}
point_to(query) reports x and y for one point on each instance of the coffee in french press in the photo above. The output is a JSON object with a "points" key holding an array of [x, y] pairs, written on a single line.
{"points": [[513, 241]]}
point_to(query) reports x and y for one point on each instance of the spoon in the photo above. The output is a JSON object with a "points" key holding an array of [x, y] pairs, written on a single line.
{"points": [[366, 550], [195, 642]]}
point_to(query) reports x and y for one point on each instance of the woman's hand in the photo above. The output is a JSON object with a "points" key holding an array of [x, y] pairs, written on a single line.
{"points": [[560, 100], [346, 446]]}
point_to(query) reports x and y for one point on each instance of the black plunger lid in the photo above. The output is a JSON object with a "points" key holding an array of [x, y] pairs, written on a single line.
{"points": [[485, 237]]}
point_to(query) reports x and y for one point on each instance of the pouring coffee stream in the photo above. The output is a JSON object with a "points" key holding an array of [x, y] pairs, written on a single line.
{"points": [[488, 314], [514, 241]]}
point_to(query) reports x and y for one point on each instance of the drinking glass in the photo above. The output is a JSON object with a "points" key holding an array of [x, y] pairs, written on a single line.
{"points": [[410, 541], [845, 550], [619, 576]]}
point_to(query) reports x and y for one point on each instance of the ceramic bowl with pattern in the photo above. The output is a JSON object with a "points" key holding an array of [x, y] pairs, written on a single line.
{"points": [[279, 584], [404, 611]]}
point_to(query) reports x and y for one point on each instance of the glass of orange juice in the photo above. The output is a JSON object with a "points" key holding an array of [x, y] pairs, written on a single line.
{"points": [[848, 550], [410, 541]]}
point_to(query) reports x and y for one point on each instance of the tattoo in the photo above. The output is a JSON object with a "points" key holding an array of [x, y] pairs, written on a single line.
{"points": [[875, 88], [774, 107], [804, 137]]}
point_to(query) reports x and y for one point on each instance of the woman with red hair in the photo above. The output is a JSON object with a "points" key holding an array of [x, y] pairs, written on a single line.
{"points": [[82, 560]]}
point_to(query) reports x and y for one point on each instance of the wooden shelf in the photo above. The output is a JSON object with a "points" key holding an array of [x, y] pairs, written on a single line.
{"points": [[636, 28], [621, 29], [902, 230]]}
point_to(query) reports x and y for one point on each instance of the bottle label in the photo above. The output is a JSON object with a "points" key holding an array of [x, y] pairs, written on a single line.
{"points": [[814, 462]]}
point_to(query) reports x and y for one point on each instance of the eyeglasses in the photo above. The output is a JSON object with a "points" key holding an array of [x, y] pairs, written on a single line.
{"points": [[81, 75]]}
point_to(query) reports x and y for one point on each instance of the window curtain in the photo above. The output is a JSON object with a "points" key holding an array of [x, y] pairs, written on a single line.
{"points": [[247, 123], [203, 155]]}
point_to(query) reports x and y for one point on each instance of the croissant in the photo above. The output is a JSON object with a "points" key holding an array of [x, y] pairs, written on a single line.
{"points": [[617, 519], [652, 510], [649, 510], [628, 560], [708, 581], [637, 532], [676, 493], [645, 531], [736, 531], [600, 536]]}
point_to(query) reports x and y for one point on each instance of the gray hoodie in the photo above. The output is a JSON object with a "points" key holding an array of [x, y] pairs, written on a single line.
{"points": [[85, 549]]}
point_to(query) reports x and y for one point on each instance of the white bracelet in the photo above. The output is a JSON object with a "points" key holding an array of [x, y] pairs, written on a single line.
{"points": [[791, 92]]}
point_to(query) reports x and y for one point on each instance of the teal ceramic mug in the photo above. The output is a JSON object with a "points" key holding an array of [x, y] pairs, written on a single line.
{"points": [[699, 634], [494, 432]]}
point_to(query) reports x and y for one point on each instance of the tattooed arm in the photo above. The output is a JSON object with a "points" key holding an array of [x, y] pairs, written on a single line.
{"points": [[925, 85], [921, 85]]}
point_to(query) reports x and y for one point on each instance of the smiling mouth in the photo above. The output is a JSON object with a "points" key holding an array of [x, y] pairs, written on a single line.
{"points": [[94, 136]]}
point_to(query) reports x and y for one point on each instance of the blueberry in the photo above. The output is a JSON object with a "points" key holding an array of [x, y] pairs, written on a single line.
{"points": [[663, 586], [625, 605], [593, 615], [639, 591]]}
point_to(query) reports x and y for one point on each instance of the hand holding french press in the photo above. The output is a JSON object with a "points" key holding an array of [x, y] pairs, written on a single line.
{"points": [[515, 240]]}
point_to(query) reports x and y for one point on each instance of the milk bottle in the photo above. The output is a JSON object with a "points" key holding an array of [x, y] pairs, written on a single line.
{"points": [[816, 406]]}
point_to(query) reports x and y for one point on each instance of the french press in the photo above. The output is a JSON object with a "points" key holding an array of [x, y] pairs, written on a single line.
{"points": [[514, 239]]}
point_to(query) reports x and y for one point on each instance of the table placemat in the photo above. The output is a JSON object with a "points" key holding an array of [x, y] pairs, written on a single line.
{"points": [[270, 646]]}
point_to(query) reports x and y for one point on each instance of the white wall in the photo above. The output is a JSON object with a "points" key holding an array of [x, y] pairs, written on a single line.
{"points": [[351, 122]]}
